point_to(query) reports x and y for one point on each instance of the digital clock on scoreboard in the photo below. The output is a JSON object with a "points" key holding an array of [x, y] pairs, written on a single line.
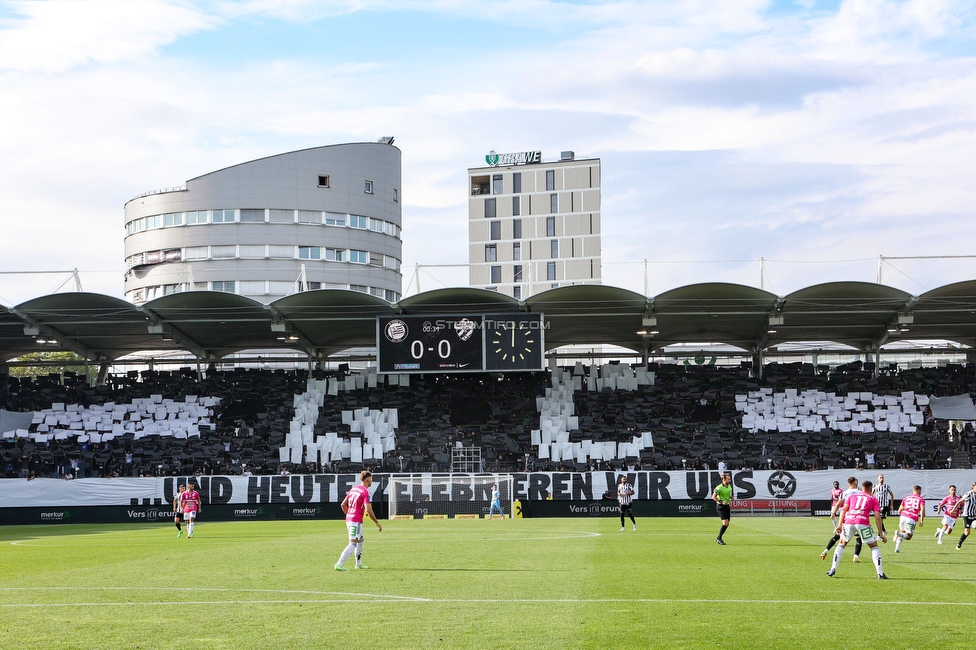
{"points": [[430, 344]]}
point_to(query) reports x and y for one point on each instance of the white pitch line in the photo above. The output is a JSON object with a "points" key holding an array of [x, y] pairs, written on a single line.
{"points": [[577, 601], [564, 534], [216, 589]]}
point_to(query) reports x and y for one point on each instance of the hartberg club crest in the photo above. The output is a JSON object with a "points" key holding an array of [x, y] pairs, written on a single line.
{"points": [[781, 484], [518, 158]]}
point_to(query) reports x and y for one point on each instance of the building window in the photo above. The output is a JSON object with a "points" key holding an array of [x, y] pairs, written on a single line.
{"points": [[280, 288], [196, 216], [396, 195], [227, 286], [554, 285], [491, 253], [323, 181], [550, 226], [553, 203], [281, 252], [359, 257], [496, 274], [517, 293], [516, 206], [196, 253], [368, 187], [355, 221], [309, 253], [223, 252], [496, 184], [490, 208], [517, 182], [310, 216], [224, 216], [335, 255], [550, 180], [517, 251], [554, 248], [517, 273], [173, 219], [253, 288], [252, 216], [551, 271], [517, 228], [334, 219], [281, 216], [495, 230], [251, 251], [359, 287]]}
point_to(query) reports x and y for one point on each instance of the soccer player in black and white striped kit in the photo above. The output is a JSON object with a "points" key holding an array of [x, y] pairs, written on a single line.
{"points": [[882, 492], [968, 506], [625, 494]]}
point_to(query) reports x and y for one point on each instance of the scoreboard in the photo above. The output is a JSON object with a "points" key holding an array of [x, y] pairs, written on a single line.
{"points": [[460, 343]]}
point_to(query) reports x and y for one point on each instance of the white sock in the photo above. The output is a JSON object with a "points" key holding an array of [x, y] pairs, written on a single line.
{"points": [[876, 558], [838, 554], [346, 552], [359, 553], [189, 528], [898, 542], [940, 533]]}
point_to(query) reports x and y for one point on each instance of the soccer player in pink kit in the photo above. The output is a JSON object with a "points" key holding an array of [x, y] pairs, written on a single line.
{"points": [[948, 505], [835, 496], [856, 516], [356, 505], [192, 505], [912, 511]]}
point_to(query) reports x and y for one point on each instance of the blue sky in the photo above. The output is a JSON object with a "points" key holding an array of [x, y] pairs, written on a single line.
{"points": [[815, 135]]}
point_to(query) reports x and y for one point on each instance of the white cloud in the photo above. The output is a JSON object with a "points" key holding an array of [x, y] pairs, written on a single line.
{"points": [[57, 35]]}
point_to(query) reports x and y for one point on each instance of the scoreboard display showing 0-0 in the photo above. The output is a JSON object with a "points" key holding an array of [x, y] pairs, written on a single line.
{"points": [[430, 344]]}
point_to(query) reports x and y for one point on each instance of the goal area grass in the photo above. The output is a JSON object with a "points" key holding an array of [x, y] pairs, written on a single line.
{"points": [[513, 583]]}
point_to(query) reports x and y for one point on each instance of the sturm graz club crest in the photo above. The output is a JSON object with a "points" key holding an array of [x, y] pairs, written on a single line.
{"points": [[491, 158], [396, 331], [781, 484]]}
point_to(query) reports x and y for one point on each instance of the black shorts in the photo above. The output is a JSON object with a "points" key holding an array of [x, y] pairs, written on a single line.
{"points": [[724, 510], [885, 511], [178, 516], [626, 509], [968, 521]]}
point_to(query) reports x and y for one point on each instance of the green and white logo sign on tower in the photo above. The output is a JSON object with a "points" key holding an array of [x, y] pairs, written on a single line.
{"points": [[518, 158]]}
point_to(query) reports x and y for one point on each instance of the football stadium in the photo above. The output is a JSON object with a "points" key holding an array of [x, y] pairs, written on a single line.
{"points": [[693, 364], [461, 405]]}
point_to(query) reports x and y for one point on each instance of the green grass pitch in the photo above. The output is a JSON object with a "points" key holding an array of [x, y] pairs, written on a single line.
{"points": [[532, 583]]}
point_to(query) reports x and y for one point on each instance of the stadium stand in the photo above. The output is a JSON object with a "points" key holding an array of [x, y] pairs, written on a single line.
{"points": [[665, 416]]}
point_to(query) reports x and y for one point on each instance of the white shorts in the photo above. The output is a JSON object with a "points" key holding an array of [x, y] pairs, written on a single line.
{"points": [[864, 530], [191, 515], [949, 522], [907, 524], [355, 529]]}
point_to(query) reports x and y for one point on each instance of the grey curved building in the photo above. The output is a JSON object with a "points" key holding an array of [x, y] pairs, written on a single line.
{"points": [[251, 228]]}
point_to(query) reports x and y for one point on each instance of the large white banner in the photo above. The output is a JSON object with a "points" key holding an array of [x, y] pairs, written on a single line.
{"points": [[331, 488]]}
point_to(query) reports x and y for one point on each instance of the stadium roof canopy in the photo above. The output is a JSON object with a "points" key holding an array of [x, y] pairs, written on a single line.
{"points": [[211, 325]]}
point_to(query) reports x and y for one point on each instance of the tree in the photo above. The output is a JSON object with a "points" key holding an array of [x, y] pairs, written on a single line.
{"points": [[47, 363]]}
